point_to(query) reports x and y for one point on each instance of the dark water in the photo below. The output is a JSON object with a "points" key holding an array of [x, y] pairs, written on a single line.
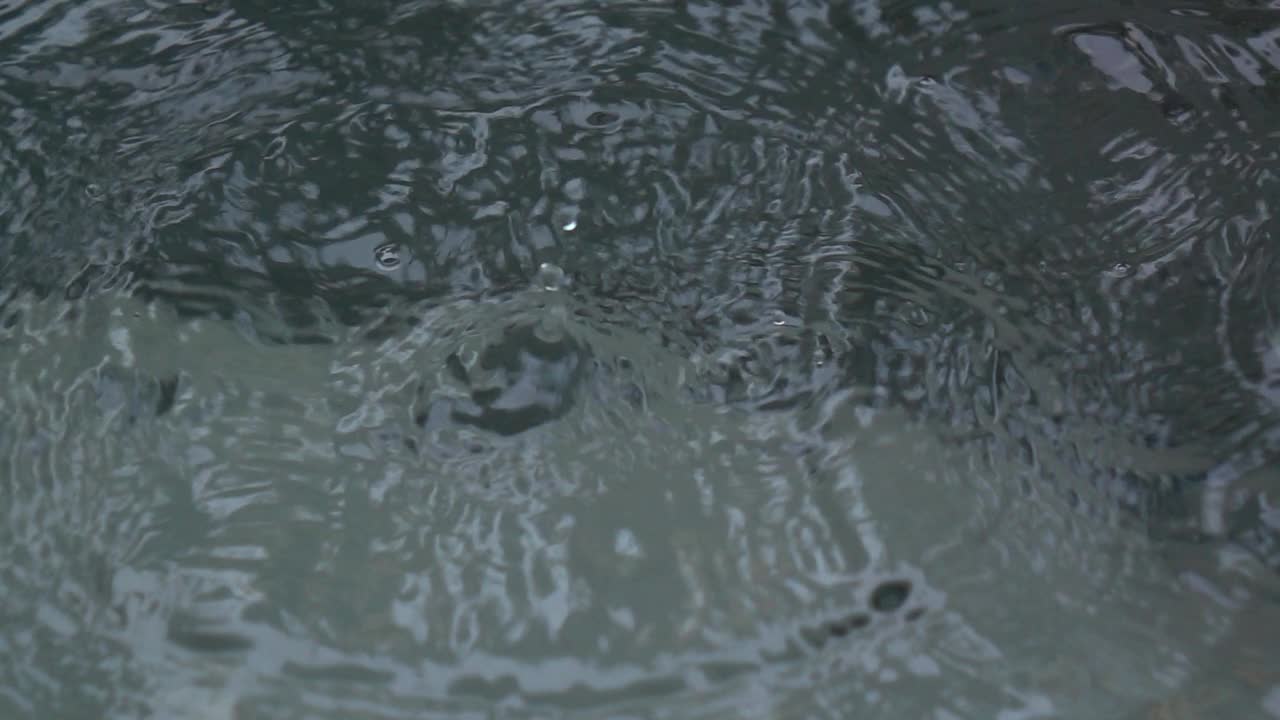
{"points": [[639, 359]]}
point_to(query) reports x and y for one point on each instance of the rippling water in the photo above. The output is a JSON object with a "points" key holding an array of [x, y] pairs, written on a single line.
{"points": [[639, 359]]}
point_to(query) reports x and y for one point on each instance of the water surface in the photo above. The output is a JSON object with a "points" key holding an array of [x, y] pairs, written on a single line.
{"points": [[662, 359]]}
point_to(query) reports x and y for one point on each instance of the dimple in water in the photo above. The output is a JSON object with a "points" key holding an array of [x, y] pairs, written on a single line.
{"points": [[387, 257]]}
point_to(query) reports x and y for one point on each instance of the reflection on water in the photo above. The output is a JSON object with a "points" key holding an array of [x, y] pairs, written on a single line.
{"points": [[762, 359]]}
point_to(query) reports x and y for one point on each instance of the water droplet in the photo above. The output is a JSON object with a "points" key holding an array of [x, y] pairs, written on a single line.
{"points": [[387, 257], [782, 319], [566, 218], [550, 276], [1121, 270]]}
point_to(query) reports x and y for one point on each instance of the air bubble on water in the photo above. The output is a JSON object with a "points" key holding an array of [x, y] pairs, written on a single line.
{"points": [[387, 257], [550, 276], [782, 319]]}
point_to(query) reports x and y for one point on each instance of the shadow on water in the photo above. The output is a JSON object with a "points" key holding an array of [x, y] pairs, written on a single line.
{"points": [[766, 359]]}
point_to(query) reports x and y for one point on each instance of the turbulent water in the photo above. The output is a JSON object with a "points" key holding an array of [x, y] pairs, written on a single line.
{"points": [[748, 359]]}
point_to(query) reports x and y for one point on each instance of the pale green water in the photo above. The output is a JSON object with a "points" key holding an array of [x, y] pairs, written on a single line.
{"points": [[763, 360]]}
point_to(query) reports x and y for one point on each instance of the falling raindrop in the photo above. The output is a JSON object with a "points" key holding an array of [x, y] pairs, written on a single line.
{"points": [[387, 257]]}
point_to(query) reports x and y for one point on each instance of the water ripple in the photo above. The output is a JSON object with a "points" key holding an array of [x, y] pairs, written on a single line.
{"points": [[425, 358]]}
